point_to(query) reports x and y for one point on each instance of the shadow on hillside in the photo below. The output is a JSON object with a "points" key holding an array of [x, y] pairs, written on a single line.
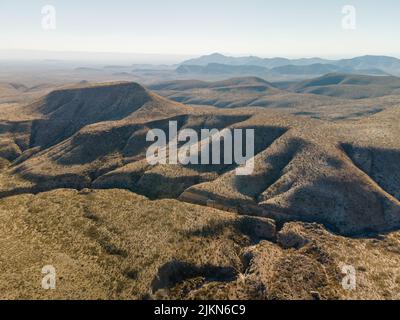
{"points": [[264, 136], [129, 140], [175, 272], [70, 110], [349, 208], [382, 165], [91, 147], [253, 185], [245, 225]]}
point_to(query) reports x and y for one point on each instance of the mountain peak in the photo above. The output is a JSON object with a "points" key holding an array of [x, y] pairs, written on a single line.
{"points": [[216, 54], [63, 112]]}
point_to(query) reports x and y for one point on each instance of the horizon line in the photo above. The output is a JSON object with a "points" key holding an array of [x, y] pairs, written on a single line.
{"points": [[233, 55]]}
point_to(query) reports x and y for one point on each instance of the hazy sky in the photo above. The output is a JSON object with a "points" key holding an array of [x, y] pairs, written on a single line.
{"points": [[238, 27]]}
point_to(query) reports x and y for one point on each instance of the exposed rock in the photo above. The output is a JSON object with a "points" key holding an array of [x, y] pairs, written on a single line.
{"points": [[261, 228], [292, 236]]}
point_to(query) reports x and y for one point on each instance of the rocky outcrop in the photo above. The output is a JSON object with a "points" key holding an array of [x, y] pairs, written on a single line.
{"points": [[292, 235]]}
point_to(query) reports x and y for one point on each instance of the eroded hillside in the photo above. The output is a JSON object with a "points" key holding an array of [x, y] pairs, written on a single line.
{"points": [[204, 232]]}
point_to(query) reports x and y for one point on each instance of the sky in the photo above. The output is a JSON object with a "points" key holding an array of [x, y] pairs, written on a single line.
{"points": [[289, 28]]}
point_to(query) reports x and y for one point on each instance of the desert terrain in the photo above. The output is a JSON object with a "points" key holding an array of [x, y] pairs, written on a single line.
{"points": [[77, 192]]}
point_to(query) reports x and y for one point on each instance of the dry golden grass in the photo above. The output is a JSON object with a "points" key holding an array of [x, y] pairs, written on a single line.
{"points": [[117, 245], [104, 244]]}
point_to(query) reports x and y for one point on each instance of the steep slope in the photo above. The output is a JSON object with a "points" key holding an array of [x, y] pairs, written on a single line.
{"points": [[66, 111], [237, 83], [239, 92], [306, 175]]}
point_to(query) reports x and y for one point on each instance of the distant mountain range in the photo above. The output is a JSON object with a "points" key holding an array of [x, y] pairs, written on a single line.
{"points": [[251, 60], [218, 68], [219, 64]]}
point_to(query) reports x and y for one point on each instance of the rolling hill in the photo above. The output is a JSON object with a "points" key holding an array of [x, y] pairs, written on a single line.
{"points": [[331, 97], [74, 176], [234, 83], [350, 86], [217, 68]]}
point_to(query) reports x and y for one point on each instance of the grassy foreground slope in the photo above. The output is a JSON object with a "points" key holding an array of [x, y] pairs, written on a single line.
{"points": [[114, 244]]}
